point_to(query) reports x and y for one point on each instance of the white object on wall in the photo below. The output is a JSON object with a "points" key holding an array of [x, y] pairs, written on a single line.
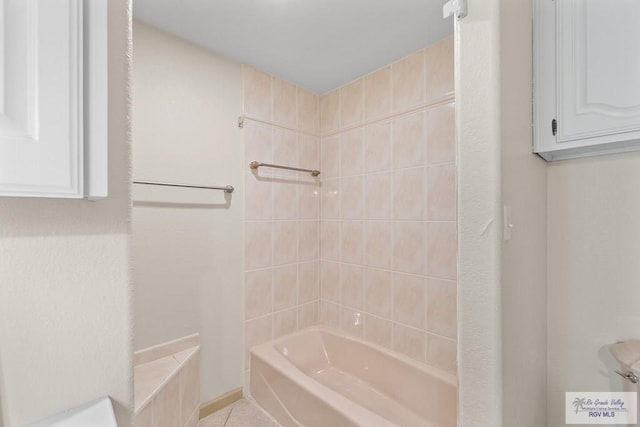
{"points": [[587, 78], [53, 99], [458, 8]]}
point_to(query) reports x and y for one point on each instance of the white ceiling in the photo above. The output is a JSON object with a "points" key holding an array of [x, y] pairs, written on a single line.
{"points": [[317, 44]]}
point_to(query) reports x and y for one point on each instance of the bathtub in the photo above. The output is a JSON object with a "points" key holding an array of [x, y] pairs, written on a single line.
{"points": [[320, 378]]}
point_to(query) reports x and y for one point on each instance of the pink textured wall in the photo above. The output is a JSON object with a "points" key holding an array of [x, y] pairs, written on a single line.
{"points": [[282, 209], [388, 216]]}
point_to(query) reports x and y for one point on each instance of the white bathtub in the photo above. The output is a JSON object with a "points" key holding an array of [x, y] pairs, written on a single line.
{"points": [[318, 377]]}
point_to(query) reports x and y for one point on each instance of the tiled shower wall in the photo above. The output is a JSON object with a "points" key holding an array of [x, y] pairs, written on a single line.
{"points": [[282, 209], [388, 220]]}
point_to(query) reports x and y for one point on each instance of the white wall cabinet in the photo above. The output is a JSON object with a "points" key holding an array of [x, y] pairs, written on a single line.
{"points": [[53, 98], [586, 77]]}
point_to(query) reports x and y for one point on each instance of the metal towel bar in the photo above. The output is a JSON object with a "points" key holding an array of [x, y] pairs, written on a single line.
{"points": [[256, 165], [227, 189]]}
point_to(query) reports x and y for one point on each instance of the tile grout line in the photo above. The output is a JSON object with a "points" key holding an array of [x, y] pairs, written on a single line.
{"points": [[228, 416]]}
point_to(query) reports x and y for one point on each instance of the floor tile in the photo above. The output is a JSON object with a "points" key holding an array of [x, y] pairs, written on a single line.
{"points": [[246, 414], [241, 414]]}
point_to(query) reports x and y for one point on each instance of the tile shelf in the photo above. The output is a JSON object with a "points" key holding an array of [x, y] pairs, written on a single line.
{"points": [[168, 374]]}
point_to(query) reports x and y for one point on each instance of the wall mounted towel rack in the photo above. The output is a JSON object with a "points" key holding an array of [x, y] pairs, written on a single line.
{"points": [[227, 189], [256, 165]]}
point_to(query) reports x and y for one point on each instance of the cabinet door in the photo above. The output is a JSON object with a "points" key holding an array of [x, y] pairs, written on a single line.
{"points": [[587, 75], [52, 92]]}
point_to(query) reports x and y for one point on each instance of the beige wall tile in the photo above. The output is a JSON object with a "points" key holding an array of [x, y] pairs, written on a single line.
{"points": [[149, 376], [441, 192], [439, 69], [285, 151], [285, 199], [377, 147], [442, 250], [285, 322], [258, 144], [442, 307], [351, 103], [409, 247], [257, 293], [352, 242], [256, 331], [409, 300], [409, 194], [351, 153], [377, 196], [377, 93], [308, 315], [308, 281], [257, 245], [285, 242], [285, 289], [309, 201], [441, 144], [166, 405], [378, 292], [330, 240], [258, 198], [330, 280], [331, 199], [330, 314], [308, 240], [352, 322], [330, 157], [144, 418], [308, 153], [257, 93], [189, 377], [330, 112], [351, 195], [308, 111], [284, 103], [377, 252], [388, 203], [352, 286], [282, 208], [379, 331], [408, 79], [409, 141]]}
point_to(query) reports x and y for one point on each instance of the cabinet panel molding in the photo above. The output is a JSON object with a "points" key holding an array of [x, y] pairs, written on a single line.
{"points": [[586, 77], [50, 92]]}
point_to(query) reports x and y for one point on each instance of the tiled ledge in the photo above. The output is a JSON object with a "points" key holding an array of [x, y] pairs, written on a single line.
{"points": [[166, 349], [166, 382]]}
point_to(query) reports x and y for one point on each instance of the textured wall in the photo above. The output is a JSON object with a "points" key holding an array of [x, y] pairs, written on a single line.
{"points": [[65, 321], [480, 222], [187, 243], [524, 190], [594, 247], [388, 239], [281, 229]]}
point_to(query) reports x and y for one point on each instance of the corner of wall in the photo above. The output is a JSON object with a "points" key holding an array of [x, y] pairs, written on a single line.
{"points": [[524, 255], [480, 215]]}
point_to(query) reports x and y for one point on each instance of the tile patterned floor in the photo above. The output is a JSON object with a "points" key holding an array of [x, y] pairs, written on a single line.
{"points": [[243, 413]]}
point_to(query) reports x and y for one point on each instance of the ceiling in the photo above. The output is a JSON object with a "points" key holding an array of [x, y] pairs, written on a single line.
{"points": [[316, 44]]}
